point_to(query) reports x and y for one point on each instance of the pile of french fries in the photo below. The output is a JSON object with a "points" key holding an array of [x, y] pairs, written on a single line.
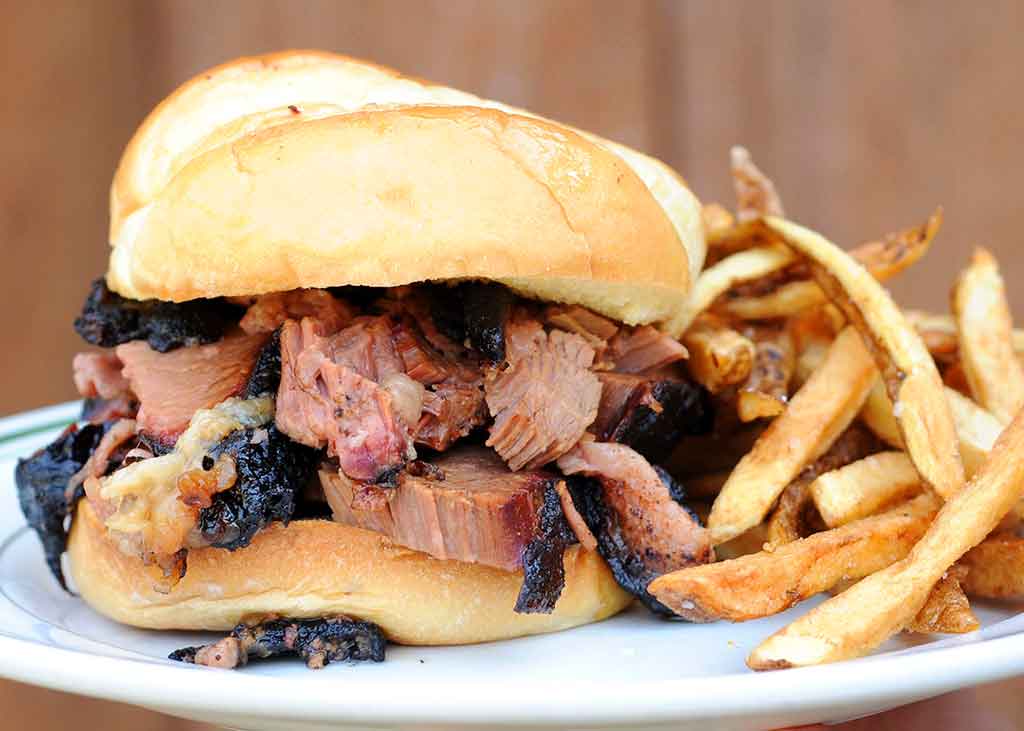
{"points": [[862, 450]]}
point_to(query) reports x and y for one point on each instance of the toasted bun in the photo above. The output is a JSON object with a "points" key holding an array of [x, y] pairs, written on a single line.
{"points": [[320, 568], [307, 169]]}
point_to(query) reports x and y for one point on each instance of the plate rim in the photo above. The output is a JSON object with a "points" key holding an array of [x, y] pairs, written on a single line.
{"points": [[893, 677]]}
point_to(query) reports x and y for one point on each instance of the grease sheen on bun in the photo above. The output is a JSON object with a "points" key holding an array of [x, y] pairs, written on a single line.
{"points": [[315, 568], [306, 169]]}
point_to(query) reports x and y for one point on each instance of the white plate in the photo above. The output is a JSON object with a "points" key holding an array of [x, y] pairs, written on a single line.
{"points": [[631, 671]]}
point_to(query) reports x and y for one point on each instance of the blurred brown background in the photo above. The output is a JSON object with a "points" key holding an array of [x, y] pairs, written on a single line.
{"points": [[867, 114]]}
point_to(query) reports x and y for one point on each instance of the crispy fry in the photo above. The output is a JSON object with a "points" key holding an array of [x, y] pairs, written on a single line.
{"points": [[939, 333], [864, 616], [767, 389], [766, 583], [755, 193], [995, 568], [817, 414], [753, 541], [717, 221], [946, 611], [795, 515], [863, 487], [721, 276], [976, 429], [985, 331], [884, 259], [719, 356], [908, 371]]}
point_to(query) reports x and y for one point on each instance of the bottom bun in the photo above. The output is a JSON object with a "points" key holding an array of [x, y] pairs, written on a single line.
{"points": [[314, 568]]}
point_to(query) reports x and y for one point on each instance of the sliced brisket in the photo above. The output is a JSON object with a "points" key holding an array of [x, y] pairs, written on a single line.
{"points": [[171, 387], [644, 348], [269, 311], [642, 531]]}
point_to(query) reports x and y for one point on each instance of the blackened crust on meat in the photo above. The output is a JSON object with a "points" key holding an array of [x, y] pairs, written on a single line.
{"points": [[108, 319], [317, 641], [543, 566], [487, 307], [271, 471], [660, 414], [676, 491], [266, 374], [475, 312], [42, 481], [625, 561]]}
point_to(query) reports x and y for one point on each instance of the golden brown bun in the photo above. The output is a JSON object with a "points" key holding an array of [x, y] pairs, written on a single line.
{"points": [[319, 568], [305, 169]]}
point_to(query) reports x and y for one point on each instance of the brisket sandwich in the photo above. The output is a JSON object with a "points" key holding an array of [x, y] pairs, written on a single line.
{"points": [[375, 359]]}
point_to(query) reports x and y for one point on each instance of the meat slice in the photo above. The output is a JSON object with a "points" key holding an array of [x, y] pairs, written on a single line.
{"points": [[481, 512], [269, 311], [324, 401], [651, 414], [642, 531], [639, 349], [593, 328], [172, 386], [98, 375], [544, 399]]}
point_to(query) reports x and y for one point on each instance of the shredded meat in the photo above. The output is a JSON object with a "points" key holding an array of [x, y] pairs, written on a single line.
{"points": [[269, 311], [317, 641], [171, 387], [593, 328], [640, 349], [324, 400], [545, 398], [641, 528]]}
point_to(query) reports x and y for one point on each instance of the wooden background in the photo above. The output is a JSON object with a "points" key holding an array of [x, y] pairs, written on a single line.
{"points": [[867, 114]]}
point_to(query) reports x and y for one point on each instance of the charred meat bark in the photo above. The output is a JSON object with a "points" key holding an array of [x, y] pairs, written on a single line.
{"points": [[317, 641], [108, 319], [271, 471], [266, 374], [642, 530], [543, 558], [42, 482], [474, 312], [651, 414]]}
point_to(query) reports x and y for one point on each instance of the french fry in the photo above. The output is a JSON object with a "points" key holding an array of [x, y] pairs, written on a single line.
{"points": [[864, 616], [976, 429], [725, 274], [907, 369], [753, 541], [946, 611], [884, 259], [939, 332], [766, 390], [817, 414], [766, 583], [863, 487], [995, 568], [795, 516], [719, 356], [717, 221], [985, 332], [755, 193]]}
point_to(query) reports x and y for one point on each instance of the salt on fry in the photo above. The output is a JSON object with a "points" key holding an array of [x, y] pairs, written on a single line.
{"points": [[995, 568], [756, 195], [864, 616], [719, 356], [863, 487], [766, 390], [766, 583], [907, 369], [817, 414], [985, 332]]}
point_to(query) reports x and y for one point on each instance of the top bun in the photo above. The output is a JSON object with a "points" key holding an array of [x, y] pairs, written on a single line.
{"points": [[308, 169]]}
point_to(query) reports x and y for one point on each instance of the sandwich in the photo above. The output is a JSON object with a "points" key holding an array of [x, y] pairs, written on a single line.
{"points": [[374, 360]]}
